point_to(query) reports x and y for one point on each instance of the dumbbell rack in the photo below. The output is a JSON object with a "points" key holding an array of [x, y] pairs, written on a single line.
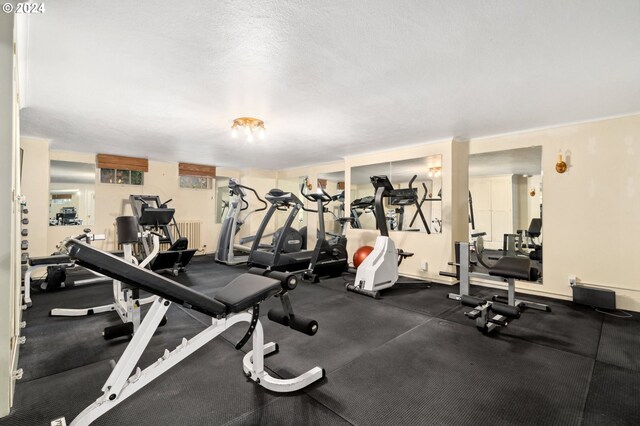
{"points": [[24, 243]]}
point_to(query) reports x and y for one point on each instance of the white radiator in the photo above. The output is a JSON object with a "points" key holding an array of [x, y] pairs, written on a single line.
{"points": [[192, 230]]}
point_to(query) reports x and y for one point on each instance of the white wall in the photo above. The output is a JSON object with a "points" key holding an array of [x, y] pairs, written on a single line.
{"points": [[9, 189]]}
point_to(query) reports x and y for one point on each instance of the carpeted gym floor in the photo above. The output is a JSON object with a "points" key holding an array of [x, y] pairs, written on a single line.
{"points": [[411, 357]]}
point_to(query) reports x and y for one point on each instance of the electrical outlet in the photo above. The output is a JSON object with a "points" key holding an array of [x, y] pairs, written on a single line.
{"points": [[424, 266], [572, 280]]}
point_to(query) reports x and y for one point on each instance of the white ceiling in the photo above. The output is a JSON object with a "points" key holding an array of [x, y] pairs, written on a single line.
{"points": [[164, 80], [521, 161]]}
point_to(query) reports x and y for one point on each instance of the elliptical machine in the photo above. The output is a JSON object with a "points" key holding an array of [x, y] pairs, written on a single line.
{"points": [[228, 252], [379, 270]]}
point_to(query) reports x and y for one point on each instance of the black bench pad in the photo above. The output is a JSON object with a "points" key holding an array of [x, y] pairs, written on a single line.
{"points": [[247, 290], [116, 268], [54, 259], [512, 267]]}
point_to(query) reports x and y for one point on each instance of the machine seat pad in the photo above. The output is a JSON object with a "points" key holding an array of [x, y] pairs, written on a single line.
{"points": [[247, 290], [54, 259], [118, 269], [511, 267]]}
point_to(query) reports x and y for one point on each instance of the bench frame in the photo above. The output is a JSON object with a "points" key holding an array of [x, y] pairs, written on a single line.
{"points": [[121, 383]]}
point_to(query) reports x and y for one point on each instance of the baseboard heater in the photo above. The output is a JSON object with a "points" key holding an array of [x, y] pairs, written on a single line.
{"points": [[596, 297]]}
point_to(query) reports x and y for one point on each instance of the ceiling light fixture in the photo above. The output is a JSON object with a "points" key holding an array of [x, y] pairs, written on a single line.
{"points": [[250, 125]]}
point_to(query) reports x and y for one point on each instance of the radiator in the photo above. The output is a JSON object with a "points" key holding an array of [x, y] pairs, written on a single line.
{"points": [[192, 230]]}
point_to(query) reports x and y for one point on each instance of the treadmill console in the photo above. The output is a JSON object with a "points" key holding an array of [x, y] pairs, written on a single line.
{"points": [[403, 197]]}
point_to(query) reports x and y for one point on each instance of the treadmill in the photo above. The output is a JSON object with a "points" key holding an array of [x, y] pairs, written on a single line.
{"points": [[278, 257]]}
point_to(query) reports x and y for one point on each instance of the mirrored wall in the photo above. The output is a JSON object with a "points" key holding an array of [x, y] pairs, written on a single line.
{"points": [[72, 188], [505, 190], [416, 207]]}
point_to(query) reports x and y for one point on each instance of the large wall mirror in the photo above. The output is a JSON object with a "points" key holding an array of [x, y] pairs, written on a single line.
{"points": [[333, 184], [72, 189], [505, 189], [418, 210]]}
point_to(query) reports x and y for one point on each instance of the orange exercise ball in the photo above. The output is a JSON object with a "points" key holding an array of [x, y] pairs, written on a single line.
{"points": [[361, 254]]}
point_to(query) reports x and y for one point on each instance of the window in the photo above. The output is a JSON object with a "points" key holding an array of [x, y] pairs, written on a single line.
{"points": [[196, 182], [125, 177]]}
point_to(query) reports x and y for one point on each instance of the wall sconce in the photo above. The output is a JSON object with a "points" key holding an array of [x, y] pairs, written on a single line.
{"points": [[435, 172], [561, 166]]}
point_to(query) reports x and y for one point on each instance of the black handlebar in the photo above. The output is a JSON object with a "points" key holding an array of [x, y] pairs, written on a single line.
{"points": [[144, 203], [324, 197], [257, 196], [411, 181]]}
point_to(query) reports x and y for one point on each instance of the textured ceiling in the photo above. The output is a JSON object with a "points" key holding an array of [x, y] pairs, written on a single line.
{"points": [[164, 79]]}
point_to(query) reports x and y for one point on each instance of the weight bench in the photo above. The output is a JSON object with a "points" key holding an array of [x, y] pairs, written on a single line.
{"points": [[500, 310], [239, 301]]}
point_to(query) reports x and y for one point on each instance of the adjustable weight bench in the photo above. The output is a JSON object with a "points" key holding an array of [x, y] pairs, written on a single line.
{"points": [[239, 301]]}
